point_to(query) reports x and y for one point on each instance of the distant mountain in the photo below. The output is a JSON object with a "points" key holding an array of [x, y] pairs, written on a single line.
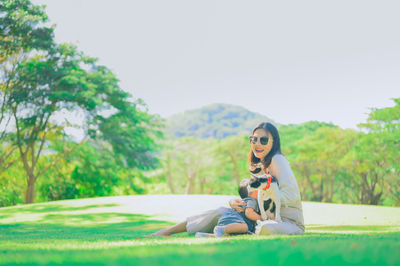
{"points": [[214, 120]]}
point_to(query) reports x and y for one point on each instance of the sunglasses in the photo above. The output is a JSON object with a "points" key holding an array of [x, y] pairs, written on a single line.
{"points": [[263, 140]]}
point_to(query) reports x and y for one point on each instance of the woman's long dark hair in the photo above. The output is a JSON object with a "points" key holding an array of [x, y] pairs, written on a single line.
{"points": [[276, 147]]}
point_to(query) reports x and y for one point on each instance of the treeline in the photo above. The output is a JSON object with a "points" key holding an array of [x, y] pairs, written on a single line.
{"points": [[48, 90], [331, 164]]}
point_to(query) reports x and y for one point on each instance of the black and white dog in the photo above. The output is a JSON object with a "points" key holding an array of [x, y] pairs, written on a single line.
{"points": [[268, 196]]}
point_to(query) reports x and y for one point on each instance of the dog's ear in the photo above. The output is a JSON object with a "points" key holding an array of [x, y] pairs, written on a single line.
{"points": [[253, 181], [256, 171], [255, 184]]}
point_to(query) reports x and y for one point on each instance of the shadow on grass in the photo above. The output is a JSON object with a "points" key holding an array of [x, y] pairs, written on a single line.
{"points": [[97, 226], [4, 216], [53, 208]]}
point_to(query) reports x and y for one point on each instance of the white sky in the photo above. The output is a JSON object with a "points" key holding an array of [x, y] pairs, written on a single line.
{"points": [[292, 61]]}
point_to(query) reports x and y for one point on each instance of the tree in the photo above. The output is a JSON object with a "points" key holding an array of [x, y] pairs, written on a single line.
{"points": [[205, 166], [22, 32], [302, 145], [365, 163], [65, 81], [320, 154], [233, 151], [187, 165], [380, 152]]}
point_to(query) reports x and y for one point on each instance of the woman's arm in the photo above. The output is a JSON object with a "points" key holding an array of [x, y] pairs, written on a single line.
{"points": [[288, 187], [252, 215]]}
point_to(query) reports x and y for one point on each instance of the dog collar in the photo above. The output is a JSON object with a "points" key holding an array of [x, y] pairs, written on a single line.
{"points": [[269, 179]]}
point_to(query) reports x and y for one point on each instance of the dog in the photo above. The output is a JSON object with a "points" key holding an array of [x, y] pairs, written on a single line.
{"points": [[268, 196]]}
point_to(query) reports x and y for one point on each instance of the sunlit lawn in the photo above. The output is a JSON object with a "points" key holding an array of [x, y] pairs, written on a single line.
{"points": [[110, 231]]}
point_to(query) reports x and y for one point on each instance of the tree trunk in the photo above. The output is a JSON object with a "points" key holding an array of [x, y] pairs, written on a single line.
{"points": [[313, 190], [169, 177], [368, 195], [303, 188], [190, 184], [30, 190], [236, 169], [375, 198], [333, 175], [202, 183], [170, 184], [321, 190]]}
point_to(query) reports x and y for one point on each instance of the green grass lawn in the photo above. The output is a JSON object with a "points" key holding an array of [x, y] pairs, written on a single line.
{"points": [[110, 231]]}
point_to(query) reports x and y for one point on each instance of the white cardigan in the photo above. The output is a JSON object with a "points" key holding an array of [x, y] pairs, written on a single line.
{"points": [[290, 193]]}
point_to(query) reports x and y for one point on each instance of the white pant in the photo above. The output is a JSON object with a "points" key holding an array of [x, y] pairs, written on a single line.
{"points": [[271, 227], [206, 222]]}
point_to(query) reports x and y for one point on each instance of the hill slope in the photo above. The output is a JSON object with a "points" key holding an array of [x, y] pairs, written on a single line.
{"points": [[214, 120]]}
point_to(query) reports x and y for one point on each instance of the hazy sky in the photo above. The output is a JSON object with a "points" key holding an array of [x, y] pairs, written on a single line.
{"points": [[292, 61]]}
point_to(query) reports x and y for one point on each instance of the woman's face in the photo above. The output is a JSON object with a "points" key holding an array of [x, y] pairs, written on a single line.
{"points": [[260, 150]]}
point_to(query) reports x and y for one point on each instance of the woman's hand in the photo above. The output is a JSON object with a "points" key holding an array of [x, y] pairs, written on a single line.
{"points": [[236, 204]]}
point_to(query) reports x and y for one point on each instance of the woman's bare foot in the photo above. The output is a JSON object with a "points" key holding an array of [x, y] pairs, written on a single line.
{"points": [[160, 233], [178, 228]]}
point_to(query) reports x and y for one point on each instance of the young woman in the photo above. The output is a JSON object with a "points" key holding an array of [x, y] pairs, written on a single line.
{"points": [[265, 156]]}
